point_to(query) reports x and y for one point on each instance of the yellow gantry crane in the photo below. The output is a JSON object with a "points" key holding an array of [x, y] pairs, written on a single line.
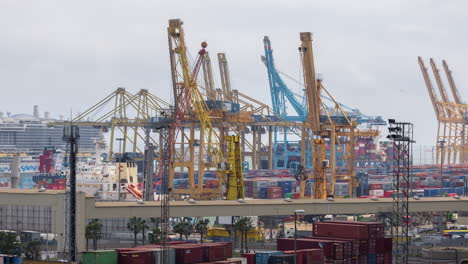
{"points": [[452, 139], [320, 128], [191, 114], [124, 115], [235, 180]]}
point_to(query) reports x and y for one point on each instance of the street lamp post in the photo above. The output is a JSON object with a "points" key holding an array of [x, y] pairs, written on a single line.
{"points": [[298, 211]]}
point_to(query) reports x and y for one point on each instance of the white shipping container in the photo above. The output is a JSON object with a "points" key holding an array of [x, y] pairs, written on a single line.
{"points": [[376, 192], [341, 192], [227, 106]]}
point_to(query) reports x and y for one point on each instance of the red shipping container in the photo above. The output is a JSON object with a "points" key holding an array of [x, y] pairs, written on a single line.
{"points": [[188, 253], [372, 246], [375, 229], [250, 257], [340, 230], [375, 186], [330, 248], [313, 256], [274, 193], [216, 251], [352, 249], [127, 249], [300, 255], [388, 245], [388, 257], [347, 247], [135, 257], [363, 246], [380, 258], [380, 246], [283, 244], [228, 262], [362, 259]]}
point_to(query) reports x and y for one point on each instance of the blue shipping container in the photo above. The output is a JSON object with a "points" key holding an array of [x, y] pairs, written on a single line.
{"points": [[262, 257]]}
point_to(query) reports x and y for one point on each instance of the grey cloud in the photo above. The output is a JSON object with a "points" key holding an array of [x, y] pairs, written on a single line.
{"points": [[366, 49]]}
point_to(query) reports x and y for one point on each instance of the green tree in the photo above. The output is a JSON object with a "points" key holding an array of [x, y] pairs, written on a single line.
{"points": [[202, 227], [183, 229], [155, 236], [143, 227], [136, 225], [93, 231], [179, 229], [242, 227], [32, 250], [8, 243]]}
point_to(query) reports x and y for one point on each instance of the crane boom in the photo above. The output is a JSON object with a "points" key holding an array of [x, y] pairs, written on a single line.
{"points": [[310, 81], [313, 88], [225, 79], [440, 85], [278, 87], [453, 87], [430, 89], [208, 77], [187, 97], [325, 129]]}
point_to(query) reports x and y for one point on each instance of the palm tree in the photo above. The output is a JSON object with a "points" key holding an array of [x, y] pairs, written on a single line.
{"points": [[179, 229], [93, 231], [136, 224], [202, 227], [143, 227], [32, 250], [183, 229], [243, 225], [8, 243], [155, 236]]}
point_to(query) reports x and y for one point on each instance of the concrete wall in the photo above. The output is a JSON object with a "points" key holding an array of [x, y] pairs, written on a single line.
{"points": [[88, 208]]}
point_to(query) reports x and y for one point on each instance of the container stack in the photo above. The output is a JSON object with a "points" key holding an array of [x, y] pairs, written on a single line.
{"points": [[368, 239], [332, 251], [341, 189], [269, 187], [341, 242], [179, 252], [263, 257], [425, 182]]}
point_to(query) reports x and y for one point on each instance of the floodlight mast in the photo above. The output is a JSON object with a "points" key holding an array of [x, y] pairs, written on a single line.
{"points": [[71, 135]]}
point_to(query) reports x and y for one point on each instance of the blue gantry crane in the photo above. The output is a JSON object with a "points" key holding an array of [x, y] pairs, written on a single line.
{"points": [[281, 95], [287, 151], [279, 91]]}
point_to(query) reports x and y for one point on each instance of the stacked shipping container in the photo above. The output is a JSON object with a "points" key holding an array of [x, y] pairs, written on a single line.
{"points": [[179, 252]]}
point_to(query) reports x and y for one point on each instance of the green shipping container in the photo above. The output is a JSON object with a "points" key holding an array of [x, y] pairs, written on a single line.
{"points": [[100, 257]]}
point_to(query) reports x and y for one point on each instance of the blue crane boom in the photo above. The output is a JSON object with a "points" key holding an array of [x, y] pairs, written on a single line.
{"points": [[278, 89], [281, 95]]}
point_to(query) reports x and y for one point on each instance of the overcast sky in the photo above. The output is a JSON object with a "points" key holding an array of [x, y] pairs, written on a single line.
{"points": [[66, 55]]}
